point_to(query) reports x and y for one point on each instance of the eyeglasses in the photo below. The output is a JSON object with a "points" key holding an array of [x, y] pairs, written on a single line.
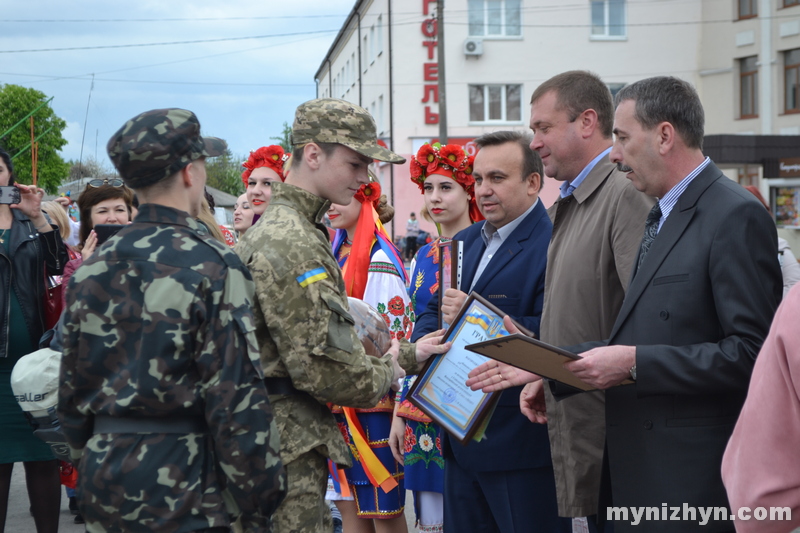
{"points": [[116, 182]]}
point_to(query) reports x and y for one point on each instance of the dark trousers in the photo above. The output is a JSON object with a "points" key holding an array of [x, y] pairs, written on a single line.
{"points": [[515, 501], [411, 247]]}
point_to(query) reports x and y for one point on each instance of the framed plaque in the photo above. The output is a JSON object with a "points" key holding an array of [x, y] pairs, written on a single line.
{"points": [[534, 356], [440, 390]]}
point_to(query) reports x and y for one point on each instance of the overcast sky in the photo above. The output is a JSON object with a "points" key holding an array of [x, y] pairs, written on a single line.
{"points": [[241, 90]]}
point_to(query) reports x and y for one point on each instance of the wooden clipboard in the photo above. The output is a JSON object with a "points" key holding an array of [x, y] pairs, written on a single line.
{"points": [[532, 355]]}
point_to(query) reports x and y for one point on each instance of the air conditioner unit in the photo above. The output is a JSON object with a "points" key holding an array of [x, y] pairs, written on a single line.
{"points": [[473, 47]]}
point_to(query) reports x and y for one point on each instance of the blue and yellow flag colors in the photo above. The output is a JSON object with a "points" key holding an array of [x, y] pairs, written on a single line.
{"points": [[311, 276]]}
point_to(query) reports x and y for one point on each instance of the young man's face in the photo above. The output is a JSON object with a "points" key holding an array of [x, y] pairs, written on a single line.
{"points": [[344, 171]]}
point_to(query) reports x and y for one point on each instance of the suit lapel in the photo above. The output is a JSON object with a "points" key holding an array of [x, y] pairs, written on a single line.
{"points": [[472, 256], [674, 227]]}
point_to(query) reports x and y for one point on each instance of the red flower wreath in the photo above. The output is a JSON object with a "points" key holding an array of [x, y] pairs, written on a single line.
{"points": [[452, 158], [369, 191], [396, 306], [272, 157]]}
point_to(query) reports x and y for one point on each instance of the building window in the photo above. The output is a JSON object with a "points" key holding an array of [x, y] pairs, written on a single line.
{"points": [[787, 3], [364, 52], [748, 87], [495, 103], [353, 70], [792, 74], [495, 18], [748, 9], [379, 36], [381, 128], [615, 88], [608, 19], [372, 44]]}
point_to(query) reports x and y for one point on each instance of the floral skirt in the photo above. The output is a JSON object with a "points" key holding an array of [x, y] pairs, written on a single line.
{"points": [[424, 464], [371, 501]]}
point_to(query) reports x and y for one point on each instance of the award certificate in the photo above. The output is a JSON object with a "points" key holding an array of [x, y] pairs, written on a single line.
{"points": [[440, 390]]}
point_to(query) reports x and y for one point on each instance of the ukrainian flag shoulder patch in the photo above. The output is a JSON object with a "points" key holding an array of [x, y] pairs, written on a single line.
{"points": [[311, 276]]}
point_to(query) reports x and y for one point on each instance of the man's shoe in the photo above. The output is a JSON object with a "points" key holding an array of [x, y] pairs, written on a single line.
{"points": [[79, 519], [73, 505]]}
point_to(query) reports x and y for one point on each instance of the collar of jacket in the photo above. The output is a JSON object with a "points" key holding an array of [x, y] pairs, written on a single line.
{"points": [[596, 177], [161, 214], [309, 205]]}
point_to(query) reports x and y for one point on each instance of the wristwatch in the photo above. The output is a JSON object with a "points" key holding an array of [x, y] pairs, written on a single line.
{"points": [[633, 372]]}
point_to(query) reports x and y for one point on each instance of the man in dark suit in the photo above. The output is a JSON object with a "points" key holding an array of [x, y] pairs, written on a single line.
{"points": [[696, 312], [504, 483]]}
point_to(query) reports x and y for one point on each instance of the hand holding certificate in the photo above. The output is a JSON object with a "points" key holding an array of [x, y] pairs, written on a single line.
{"points": [[441, 392]]}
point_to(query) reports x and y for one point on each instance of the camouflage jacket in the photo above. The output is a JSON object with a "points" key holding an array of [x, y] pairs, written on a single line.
{"points": [[304, 328], [159, 325]]}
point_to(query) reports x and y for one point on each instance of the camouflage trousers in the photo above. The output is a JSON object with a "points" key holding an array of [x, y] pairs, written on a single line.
{"points": [[304, 509]]}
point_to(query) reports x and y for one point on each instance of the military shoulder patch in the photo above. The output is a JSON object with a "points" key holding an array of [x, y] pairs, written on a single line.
{"points": [[311, 276]]}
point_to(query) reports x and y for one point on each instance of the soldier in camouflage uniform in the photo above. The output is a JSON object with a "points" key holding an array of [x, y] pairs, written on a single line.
{"points": [[309, 349], [161, 394]]}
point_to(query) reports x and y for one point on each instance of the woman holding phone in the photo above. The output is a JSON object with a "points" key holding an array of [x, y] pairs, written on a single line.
{"points": [[28, 246], [103, 201]]}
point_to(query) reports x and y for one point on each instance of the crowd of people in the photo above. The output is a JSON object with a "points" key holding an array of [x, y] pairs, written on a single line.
{"points": [[213, 382]]}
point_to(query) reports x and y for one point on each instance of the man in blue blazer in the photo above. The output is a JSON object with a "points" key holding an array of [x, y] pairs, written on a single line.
{"points": [[505, 482]]}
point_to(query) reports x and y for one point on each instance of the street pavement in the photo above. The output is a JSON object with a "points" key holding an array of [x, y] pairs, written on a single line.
{"points": [[19, 519]]}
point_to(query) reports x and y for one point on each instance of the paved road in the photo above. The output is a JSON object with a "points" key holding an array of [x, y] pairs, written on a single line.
{"points": [[19, 519]]}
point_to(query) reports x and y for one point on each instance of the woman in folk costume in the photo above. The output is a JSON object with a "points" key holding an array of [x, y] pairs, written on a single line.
{"points": [[264, 166], [444, 175], [372, 491]]}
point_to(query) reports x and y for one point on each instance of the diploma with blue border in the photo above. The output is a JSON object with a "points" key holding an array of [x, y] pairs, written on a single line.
{"points": [[441, 392]]}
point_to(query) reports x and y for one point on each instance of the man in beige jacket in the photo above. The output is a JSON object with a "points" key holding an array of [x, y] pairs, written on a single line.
{"points": [[597, 229]]}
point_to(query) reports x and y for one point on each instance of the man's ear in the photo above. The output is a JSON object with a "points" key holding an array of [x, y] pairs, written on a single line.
{"points": [[535, 182], [313, 156], [588, 122], [667, 136], [187, 173]]}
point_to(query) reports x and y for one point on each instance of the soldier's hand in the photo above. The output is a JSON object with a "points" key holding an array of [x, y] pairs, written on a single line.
{"points": [[394, 351], [397, 438], [452, 301], [430, 345]]}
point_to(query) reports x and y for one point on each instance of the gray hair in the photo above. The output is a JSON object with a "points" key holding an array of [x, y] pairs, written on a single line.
{"points": [[667, 99]]}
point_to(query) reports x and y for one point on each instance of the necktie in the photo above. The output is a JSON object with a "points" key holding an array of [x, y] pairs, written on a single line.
{"points": [[650, 232]]}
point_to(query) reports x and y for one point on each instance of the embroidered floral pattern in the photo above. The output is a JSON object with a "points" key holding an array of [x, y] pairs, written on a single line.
{"points": [[396, 306], [410, 440], [423, 444]]}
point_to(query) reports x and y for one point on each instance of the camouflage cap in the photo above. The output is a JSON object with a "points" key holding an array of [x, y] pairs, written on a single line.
{"points": [[328, 120], [156, 144]]}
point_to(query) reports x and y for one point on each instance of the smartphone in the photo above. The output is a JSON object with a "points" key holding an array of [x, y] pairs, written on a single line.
{"points": [[106, 231], [9, 195]]}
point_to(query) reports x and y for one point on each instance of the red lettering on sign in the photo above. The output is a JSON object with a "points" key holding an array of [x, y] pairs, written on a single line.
{"points": [[425, 4], [430, 71], [431, 91], [430, 28], [430, 117], [431, 45]]}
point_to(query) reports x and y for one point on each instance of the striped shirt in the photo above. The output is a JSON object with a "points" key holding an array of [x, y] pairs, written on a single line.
{"points": [[671, 198]]}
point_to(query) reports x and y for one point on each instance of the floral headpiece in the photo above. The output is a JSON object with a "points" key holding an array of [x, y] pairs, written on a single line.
{"points": [[272, 157], [369, 192], [450, 160]]}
